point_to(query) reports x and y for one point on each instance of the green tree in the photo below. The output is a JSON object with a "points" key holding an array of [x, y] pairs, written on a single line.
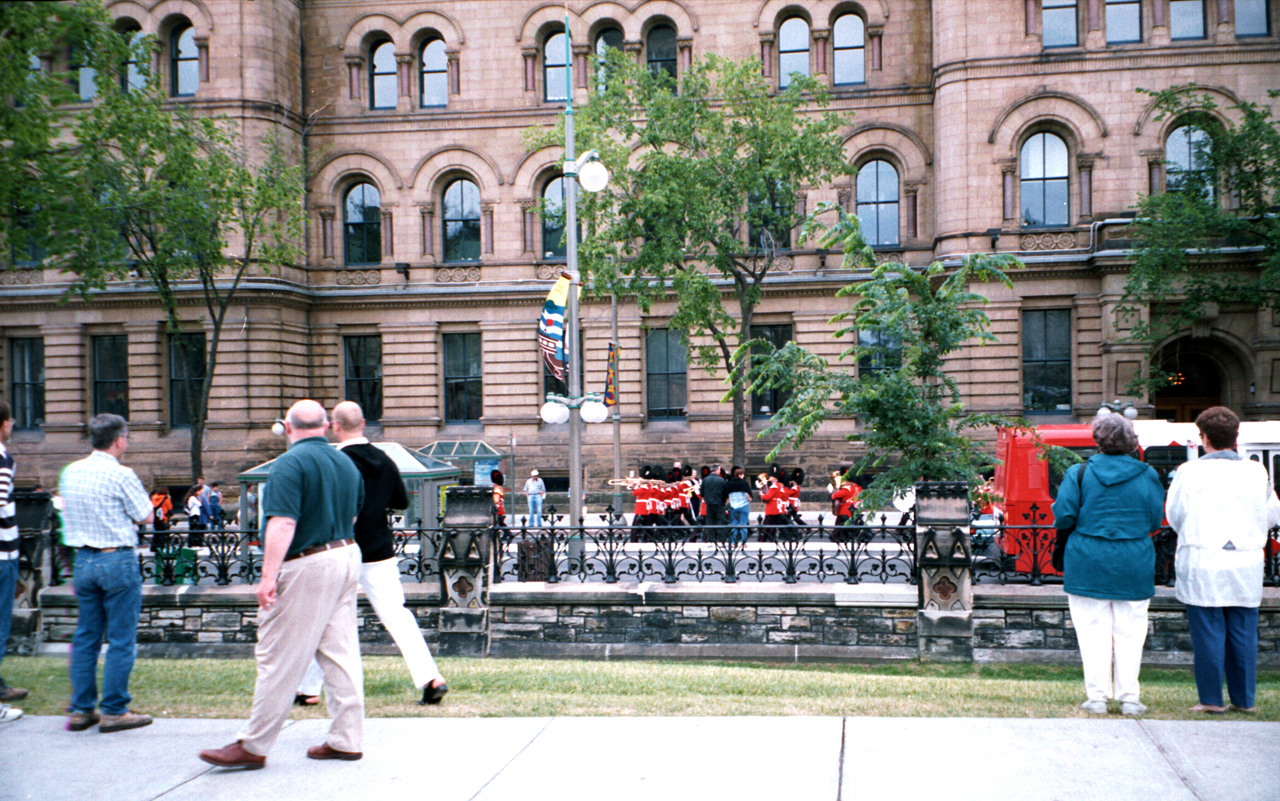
{"points": [[176, 201], [913, 423], [1214, 236], [703, 196]]}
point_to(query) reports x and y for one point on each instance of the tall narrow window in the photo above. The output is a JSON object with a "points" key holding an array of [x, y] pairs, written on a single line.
{"points": [[184, 63], [1046, 360], [1044, 181], [793, 50], [433, 86], [1059, 23], [660, 50], [363, 371], [553, 222], [609, 38], [849, 49], [362, 225], [883, 354], [775, 338], [878, 202], [83, 77], [26, 385], [1187, 161], [134, 74], [666, 372], [382, 76], [769, 219], [463, 381], [461, 221], [1253, 18], [1186, 19], [26, 247], [109, 356], [555, 69], [1124, 21], [186, 377]]}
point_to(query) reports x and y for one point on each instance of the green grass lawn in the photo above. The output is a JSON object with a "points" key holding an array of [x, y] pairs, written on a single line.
{"points": [[216, 688]]}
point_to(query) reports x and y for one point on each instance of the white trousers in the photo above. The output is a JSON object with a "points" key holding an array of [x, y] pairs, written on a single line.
{"points": [[380, 582], [1111, 635]]}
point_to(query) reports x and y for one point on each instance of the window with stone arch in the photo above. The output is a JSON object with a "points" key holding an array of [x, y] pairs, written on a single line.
{"points": [[134, 74], [382, 75], [461, 220], [554, 246], [1188, 166], [362, 225], [433, 75], [555, 68], [609, 38], [1045, 181], [660, 51], [849, 50], [877, 202], [793, 50], [184, 62]]}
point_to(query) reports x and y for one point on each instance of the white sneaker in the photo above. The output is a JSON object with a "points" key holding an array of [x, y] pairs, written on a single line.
{"points": [[1133, 708], [8, 713], [1095, 707]]}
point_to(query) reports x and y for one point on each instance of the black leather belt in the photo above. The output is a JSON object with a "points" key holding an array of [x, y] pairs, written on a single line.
{"points": [[315, 549]]}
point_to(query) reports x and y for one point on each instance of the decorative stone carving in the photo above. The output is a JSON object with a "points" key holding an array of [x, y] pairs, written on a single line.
{"points": [[21, 276], [457, 275], [549, 272], [359, 277], [1058, 241]]}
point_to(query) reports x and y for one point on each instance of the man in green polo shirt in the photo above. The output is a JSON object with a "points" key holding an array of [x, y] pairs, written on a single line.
{"points": [[307, 596]]}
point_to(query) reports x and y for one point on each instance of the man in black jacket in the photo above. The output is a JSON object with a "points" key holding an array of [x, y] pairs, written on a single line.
{"points": [[380, 573], [714, 494]]}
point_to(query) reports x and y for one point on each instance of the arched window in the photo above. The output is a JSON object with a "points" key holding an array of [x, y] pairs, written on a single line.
{"points": [[134, 75], [849, 46], [382, 76], [433, 85], [362, 225], [84, 77], [461, 221], [609, 38], [1187, 161], [878, 202], [184, 63], [553, 222], [555, 69], [793, 50], [660, 50], [1044, 181]]}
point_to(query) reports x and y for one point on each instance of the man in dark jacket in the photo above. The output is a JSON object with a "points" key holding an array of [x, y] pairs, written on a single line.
{"points": [[714, 495]]}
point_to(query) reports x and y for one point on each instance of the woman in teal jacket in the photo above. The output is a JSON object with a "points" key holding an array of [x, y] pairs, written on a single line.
{"points": [[1109, 564]]}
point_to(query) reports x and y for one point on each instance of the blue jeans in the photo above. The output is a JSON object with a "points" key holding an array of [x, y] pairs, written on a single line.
{"points": [[8, 586], [109, 590], [739, 519], [535, 510], [1224, 640]]}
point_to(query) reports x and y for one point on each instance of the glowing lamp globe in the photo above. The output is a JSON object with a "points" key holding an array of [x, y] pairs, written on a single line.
{"points": [[593, 176], [594, 412], [553, 413]]}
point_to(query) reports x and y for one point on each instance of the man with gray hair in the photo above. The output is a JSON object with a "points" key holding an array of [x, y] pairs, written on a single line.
{"points": [[103, 503], [307, 595]]}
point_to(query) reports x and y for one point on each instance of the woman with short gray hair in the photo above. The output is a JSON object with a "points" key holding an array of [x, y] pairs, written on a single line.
{"points": [[1114, 502]]}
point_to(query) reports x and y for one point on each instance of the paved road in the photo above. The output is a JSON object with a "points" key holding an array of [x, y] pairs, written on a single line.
{"points": [[625, 759]]}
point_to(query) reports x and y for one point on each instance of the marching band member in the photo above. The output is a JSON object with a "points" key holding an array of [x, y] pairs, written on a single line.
{"points": [[844, 502], [775, 512]]}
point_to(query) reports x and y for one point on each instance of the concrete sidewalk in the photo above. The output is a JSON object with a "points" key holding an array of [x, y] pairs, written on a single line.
{"points": [[566, 759]]}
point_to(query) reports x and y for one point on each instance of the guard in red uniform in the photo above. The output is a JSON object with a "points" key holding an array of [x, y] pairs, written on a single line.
{"points": [[775, 511]]}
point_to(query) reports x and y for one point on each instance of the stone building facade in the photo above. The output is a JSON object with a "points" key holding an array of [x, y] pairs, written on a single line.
{"points": [[1012, 125]]}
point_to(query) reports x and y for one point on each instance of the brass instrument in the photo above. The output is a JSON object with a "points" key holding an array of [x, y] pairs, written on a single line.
{"points": [[837, 478], [762, 481]]}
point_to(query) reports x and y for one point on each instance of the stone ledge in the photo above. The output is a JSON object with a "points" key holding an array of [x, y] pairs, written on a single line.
{"points": [[658, 594], [700, 651], [1022, 596], [188, 595]]}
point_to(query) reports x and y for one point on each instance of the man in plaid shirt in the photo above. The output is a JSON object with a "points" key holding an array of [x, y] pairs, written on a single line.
{"points": [[104, 502], [8, 560]]}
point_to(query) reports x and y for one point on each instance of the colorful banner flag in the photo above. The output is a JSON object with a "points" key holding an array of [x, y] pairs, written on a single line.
{"points": [[551, 326], [611, 377]]}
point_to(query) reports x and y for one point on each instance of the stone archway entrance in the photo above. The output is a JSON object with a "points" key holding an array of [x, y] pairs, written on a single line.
{"points": [[1198, 386]]}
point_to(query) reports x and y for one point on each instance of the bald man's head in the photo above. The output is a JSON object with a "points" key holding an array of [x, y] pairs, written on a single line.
{"points": [[306, 416], [348, 420]]}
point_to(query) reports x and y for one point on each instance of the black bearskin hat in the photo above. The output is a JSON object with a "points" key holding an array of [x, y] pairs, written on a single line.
{"points": [[497, 478]]}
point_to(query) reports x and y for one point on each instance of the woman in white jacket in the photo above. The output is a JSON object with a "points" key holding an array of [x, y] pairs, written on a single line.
{"points": [[1222, 507]]}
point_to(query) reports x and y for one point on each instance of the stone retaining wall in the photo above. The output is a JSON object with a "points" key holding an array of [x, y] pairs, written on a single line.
{"points": [[751, 622]]}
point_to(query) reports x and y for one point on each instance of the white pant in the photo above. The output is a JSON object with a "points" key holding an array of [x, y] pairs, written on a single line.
{"points": [[380, 582], [1110, 633]]}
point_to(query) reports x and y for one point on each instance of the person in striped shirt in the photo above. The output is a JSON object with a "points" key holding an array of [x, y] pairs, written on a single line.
{"points": [[8, 559]]}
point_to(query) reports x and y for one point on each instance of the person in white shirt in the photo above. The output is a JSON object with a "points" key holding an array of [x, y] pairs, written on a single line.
{"points": [[1222, 507], [535, 489]]}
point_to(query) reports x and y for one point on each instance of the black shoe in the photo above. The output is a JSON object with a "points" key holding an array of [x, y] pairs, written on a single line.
{"points": [[8, 693], [433, 693]]}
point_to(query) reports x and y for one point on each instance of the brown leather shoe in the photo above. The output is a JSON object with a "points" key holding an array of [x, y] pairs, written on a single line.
{"points": [[233, 756], [79, 721], [325, 751]]}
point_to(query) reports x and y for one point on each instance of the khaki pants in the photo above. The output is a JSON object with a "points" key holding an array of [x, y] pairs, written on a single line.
{"points": [[314, 616]]}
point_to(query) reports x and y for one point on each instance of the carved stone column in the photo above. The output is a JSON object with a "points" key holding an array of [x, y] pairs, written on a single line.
{"points": [[821, 40], [526, 223], [455, 80], [427, 212], [326, 231], [1084, 164], [843, 195], [1155, 171], [766, 54], [486, 234], [354, 63], [464, 571], [875, 38], [911, 190], [944, 558], [581, 53], [404, 64], [1008, 168], [530, 68], [388, 234], [636, 49], [202, 54], [684, 45]]}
